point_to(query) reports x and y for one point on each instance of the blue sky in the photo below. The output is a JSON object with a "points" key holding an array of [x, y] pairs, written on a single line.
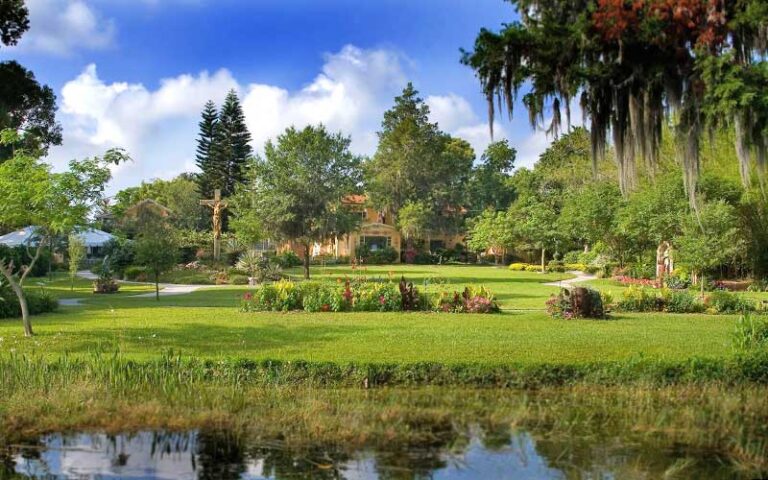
{"points": [[135, 73]]}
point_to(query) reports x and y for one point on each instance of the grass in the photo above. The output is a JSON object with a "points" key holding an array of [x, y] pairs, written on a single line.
{"points": [[207, 324]]}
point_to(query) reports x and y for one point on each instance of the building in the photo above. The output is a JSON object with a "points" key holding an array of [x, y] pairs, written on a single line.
{"points": [[377, 231], [93, 239]]}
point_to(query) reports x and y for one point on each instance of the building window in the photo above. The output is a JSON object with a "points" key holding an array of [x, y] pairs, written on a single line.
{"points": [[376, 242]]}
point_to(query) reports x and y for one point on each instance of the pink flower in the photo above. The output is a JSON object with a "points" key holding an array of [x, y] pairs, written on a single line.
{"points": [[248, 296], [382, 300]]}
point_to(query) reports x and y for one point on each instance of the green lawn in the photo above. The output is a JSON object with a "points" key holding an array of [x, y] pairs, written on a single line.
{"points": [[208, 324]]}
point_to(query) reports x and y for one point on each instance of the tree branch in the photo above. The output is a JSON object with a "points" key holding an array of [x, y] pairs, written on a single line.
{"points": [[38, 252]]}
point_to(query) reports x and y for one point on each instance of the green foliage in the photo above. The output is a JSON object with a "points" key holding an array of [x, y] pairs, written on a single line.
{"points": [[179, 195], [682, 301], [22, 256], [640, 299], [382, 256], [726, 302], [492, 230], [710, 239], [136, 273], [28, 107], [416, 162], [38, 301], [156, 248], [365, 296], [414, 220], [76, 252], [296, 192], [489, 185], [258, 266], [750, 333], [288, 259]]}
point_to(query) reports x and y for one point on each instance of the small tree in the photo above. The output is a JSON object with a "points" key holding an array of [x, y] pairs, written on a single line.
{"points": [[711, 240], [414, 220], [76, 253], [54, 203], [297, 190], [492, 230], [156, 248]]}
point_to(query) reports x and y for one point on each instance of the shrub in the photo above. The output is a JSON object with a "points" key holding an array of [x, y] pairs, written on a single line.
{"points": [[642, 270], [38, 301], [683, 302], [364, 296], [579, 302], [378, 257], [640, 299], [135, 274], [121, 254], [576, 266], [677, 283], [725, 302], [572, 256], [288, 259], [20, 255], [238, 280], [518, 267], [533, 268], [556, 266]]}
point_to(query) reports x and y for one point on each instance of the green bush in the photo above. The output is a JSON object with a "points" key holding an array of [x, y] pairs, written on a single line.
{"points": [[683, 302], [288, 259], [576, 266], [38, 301], [518, 267], [572, 256], [556, 266], [135, 274], [364, 296], [579, 302], [238, 280], [725, 302], [640, 299], [379, 257], [22, 256]]}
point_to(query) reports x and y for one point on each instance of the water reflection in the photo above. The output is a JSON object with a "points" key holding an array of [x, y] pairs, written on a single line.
{"points": [[498, 452]]}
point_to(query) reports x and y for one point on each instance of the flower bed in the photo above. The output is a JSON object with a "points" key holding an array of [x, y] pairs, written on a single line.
{"points": [[643, 299], [579, 302], [644, 282], [364, 296]]}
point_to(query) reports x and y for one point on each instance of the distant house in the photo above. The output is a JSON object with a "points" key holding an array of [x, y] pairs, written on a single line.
{"points": [[377, 231], [94, 239], [148, 205]]}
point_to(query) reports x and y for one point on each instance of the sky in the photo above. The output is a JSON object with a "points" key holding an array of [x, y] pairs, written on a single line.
{"points": [[136, 73]]}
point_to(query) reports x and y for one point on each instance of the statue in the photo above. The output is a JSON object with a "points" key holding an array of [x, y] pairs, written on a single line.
{"points": [[217, 205]]}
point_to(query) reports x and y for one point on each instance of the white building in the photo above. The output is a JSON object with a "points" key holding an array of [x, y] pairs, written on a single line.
{"points": [[93, 239]]}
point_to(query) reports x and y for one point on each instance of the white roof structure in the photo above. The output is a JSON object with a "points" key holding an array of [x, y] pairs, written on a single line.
{"points": [[25, 236], [90, 237]]}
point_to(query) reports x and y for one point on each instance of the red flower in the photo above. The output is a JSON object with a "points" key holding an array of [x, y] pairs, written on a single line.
{"points": [[382, 300], [248, 296]]}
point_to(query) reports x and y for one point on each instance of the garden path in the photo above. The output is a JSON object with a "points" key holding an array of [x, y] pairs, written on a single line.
{"points": [[579, 278]]}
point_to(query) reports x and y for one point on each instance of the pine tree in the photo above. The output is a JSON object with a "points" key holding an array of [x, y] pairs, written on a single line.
{"points": [[232, 144], [205, 147]]}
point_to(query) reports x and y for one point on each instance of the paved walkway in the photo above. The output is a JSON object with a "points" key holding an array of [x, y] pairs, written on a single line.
{"points": [[579, 278], [166, 289]]}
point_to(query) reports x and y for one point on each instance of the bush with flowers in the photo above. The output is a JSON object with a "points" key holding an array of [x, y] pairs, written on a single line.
{"points": [[578, 302], [362, 295]]}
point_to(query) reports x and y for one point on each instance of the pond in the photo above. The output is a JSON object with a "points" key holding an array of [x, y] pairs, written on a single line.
{"points": [[474, 453]]}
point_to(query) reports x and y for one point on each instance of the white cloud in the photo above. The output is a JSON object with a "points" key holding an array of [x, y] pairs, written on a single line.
{"points": [[60, 27], [159, 127]]}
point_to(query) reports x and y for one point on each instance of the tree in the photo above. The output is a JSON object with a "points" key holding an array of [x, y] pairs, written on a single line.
{"points": [[414, 221], [14, 21], [296, 192], [231, 148], [180, 195], [26, 107], [709, 239], [76, 253], [489, 185], [588, 214], [156, 247], [538, 226], [630, 62], [409, 159], [205, 145], [55, 203], [492, 230]]}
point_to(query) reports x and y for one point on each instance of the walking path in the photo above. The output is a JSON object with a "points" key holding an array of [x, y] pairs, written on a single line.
{"points": [[579, 278], [166, 289]]}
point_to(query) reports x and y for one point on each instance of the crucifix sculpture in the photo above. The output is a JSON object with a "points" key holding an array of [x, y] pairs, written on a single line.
{"points": [[217, 205]]}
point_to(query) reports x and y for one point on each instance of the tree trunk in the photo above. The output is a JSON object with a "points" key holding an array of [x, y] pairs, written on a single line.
{"points": [[701, 281], [306, 261], [543, 257], [19, 291], [157, 286]]}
